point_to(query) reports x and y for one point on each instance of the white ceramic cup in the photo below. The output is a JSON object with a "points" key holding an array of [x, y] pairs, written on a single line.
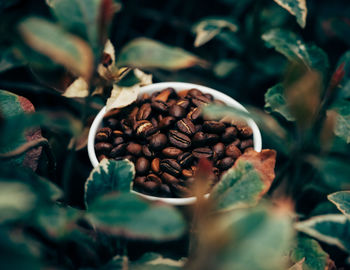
{"points": [[178, 86]]}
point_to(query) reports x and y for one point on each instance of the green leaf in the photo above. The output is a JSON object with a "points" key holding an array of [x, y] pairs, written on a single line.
{"points": [[275, 101], [294, 48], [295, 7], [342, 126], [331, 229], [246, 182], [315, 257], [341, 77], [79, 17], [156, 261], [9, 60], [341, 200], [225, 67], [147, 53], [110, 175], [128, 215], [52, 41], [17, 200], [207, 28]]}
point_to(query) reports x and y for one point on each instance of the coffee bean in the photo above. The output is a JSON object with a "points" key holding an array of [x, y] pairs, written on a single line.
{"points": [[199, 138], [118, 151], [155, 165], [213, 127], [171, 152], [144, 128], [245, 132], [177, 111], [194, 93], [212, 138], [202, 152], [179, 139], [103, 147], [165, 94], [184, 103], [118, 140], [232, 151], [198, 128], [164, 191], [225, 163], [185, 159], [186, 126], [101, 137], [187, 173], [112, 123], [180, 190], [158, 142], [130, 158], [139, 181], [117, 133], [169, 179], [126, 127], [154, 122], [166, 122], [230, 134], [133, 114], [154, 178], [145, 97], [219, 150], [142, 166], [144, 112], [209, 96], [198, 102], [134, 149], [246, 143], [147, 152], [171, 102], [170, 166], [151, 187], [100, 157], [159, 105], [106, 130], [194, 115]]}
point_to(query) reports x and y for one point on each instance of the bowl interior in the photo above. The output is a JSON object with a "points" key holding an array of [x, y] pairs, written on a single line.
{"points": [[178, 86]]}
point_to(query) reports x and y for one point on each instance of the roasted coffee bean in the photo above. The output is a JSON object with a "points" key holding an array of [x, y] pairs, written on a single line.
{"points": [[170, 166], [185, 159], [246, 143], [245, 132], [117, 133], [232, 151], [212, 138], [118, 151], [164, 191], [186, 126], [179, 139], [125, 125], [144, 112], [198, 102], [236, 142], [194, 93], [145, 97], [112, 113], [112, 123], [133, 114], [225, 163], [199, 138], [209, 96], [169, 179], [144, 128], [187, 173], [151, 187], [202, 152], [155, 165], [130, 157], [103, 147], [142, 166], [165, 94], [101, 137], [198, 128], [180, 190], [177, 111], [154, 122], [219, 150], [134, 149], [147, 152], [194, 115], [229, 135], [171, 102], [118, 140], [184, 103], [106, 130], [213, 127], [100, 157], [171, 152], [160, 106], [158, 142], [139, 181], [166, 122], [154, 178]]}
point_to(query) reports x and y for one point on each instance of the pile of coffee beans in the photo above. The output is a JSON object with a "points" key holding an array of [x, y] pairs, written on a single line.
{"points": [[165, 134]]}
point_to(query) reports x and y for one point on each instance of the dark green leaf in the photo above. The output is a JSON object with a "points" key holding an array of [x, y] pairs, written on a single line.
{"points": [[246, 182], [225, 67], [331, 229], [108, 176], [294, 48], [63, 48], [9, 60], [128, 215], [147, 53], [156, 261], [295, 7], [315, 257], [342, 200], [207, 28], [275, 101]]}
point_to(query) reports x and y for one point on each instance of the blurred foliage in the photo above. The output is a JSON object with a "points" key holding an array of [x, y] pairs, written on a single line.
{"points": [[288, 60]]}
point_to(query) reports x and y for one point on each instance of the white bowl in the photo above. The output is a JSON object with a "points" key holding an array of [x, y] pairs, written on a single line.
{"points": [[178, 86]]}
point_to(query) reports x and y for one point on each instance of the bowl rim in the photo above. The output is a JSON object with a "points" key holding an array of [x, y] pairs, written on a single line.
{"points": [[178, 86]]}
